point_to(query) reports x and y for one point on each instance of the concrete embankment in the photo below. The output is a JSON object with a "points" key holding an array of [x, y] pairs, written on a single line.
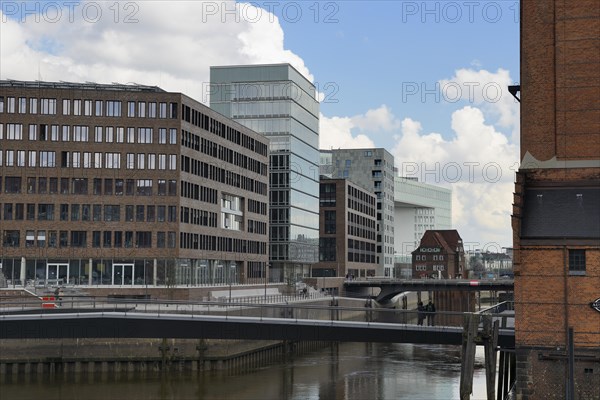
{"points": [[63, 356]]}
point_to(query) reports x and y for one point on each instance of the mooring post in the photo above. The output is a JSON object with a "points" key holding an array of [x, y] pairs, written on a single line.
{"points": [[470, 326], [490, 341]]}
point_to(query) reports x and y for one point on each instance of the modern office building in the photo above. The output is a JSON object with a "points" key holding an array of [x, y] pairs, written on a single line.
{"points": [[372, 169], [418, 207], [440, 254], [347, 223], [128, 185], [280, 103], [556, 212]]}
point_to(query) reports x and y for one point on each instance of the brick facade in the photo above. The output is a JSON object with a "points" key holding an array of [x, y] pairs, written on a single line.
{"points": [[560, 151]]}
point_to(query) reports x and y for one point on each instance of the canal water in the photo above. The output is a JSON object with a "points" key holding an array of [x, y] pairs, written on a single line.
{"points": [[347, 371]]}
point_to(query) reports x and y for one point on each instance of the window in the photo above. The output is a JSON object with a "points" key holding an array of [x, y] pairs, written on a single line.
{"points": [[14, 131], [129, 213], [113, 108], [131, 108], [576, 262], [112, 213], [143, 239], [10, 105], [144, 187], [173, 136], [107, 239], [47, 159], [141, 109], [8, 211], [32, 132], [162, 136], [98, 134], [87, 108], [11, 238], [80, 186], [78, 238], [144, 135], [80, 133], [141, 164], [22, 105], [66, 133], [12, 184], [48, 106], [113, 160], [32, 158], [139, 213], [162, 187], [64, 212], [98, 108], [76, 107], [152, 110], [33, 106], [162, 110], [74, 212], [52, 238], [130, 163], [96, 239]]}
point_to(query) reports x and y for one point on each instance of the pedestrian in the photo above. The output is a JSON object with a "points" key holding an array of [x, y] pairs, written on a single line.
{"points": [[58, 295], [430, 308], [421, 313]]}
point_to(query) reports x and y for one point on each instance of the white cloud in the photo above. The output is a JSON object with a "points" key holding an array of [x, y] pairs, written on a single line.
{"points": [[353, 132], [478, 162], [487, 90], [171, 45]]}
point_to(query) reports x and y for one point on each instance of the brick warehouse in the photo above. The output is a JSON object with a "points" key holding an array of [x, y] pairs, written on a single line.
{"points": [[128, 185], [556, 213]]}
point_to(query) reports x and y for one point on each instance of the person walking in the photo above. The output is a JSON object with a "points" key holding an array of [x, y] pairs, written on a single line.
{"points": [[430, 308], [421, 313]]}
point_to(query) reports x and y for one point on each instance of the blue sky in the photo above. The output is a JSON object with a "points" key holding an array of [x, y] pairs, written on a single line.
{"points": [[371, 61], [377, 49]]}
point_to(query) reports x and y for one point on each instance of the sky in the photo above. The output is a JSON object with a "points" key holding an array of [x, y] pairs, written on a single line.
{"points": [[427, 80]]}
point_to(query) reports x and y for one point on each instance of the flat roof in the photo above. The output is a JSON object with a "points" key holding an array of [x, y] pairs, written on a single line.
{"points": [[132, 87]]}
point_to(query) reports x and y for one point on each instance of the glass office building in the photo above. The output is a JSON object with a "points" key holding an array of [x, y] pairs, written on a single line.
{"points": [[277, 101]]}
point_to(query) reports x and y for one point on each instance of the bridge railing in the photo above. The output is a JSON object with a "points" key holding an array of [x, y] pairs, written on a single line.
{"points": [[284, 309]]}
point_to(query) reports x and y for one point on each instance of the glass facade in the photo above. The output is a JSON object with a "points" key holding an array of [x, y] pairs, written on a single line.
{"points": [[277, 101]]}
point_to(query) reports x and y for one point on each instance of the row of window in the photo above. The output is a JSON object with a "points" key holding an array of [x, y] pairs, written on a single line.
{"points": [[85, 159], [222, 175], [83, 239], [423, 267], [88, 212], [129, 187], [81, 133], [84, 107], [435, 257], [218, 128], [197, 241], [223, 153]]}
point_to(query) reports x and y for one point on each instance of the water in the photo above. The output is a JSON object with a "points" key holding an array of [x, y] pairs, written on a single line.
{"points": [[352, 371]]}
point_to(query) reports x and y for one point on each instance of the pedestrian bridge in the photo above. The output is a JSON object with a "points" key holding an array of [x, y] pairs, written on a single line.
{"points": [[392, 287], [232, 321]]}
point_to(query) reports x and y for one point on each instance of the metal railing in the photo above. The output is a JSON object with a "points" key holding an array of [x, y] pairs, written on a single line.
{"points": [[280, 307]]}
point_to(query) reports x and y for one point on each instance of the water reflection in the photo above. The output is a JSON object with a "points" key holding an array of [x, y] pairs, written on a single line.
{"points": [[350, 371]]}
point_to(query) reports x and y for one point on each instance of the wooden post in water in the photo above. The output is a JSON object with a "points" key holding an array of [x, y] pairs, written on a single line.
{"points": [[470, 327], [490, 342]]}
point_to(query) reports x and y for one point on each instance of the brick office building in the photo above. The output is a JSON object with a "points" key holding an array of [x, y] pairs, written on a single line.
{"points": [[347, 230], [128, 185], [440, 253], [556, 216]]}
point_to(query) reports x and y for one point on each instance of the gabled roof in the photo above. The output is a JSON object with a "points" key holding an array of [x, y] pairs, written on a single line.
{"points": [[449, 240]]}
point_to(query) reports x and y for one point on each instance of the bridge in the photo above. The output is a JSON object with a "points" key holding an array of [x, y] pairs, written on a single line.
{"points": [[392, 287], [296, 322]]}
